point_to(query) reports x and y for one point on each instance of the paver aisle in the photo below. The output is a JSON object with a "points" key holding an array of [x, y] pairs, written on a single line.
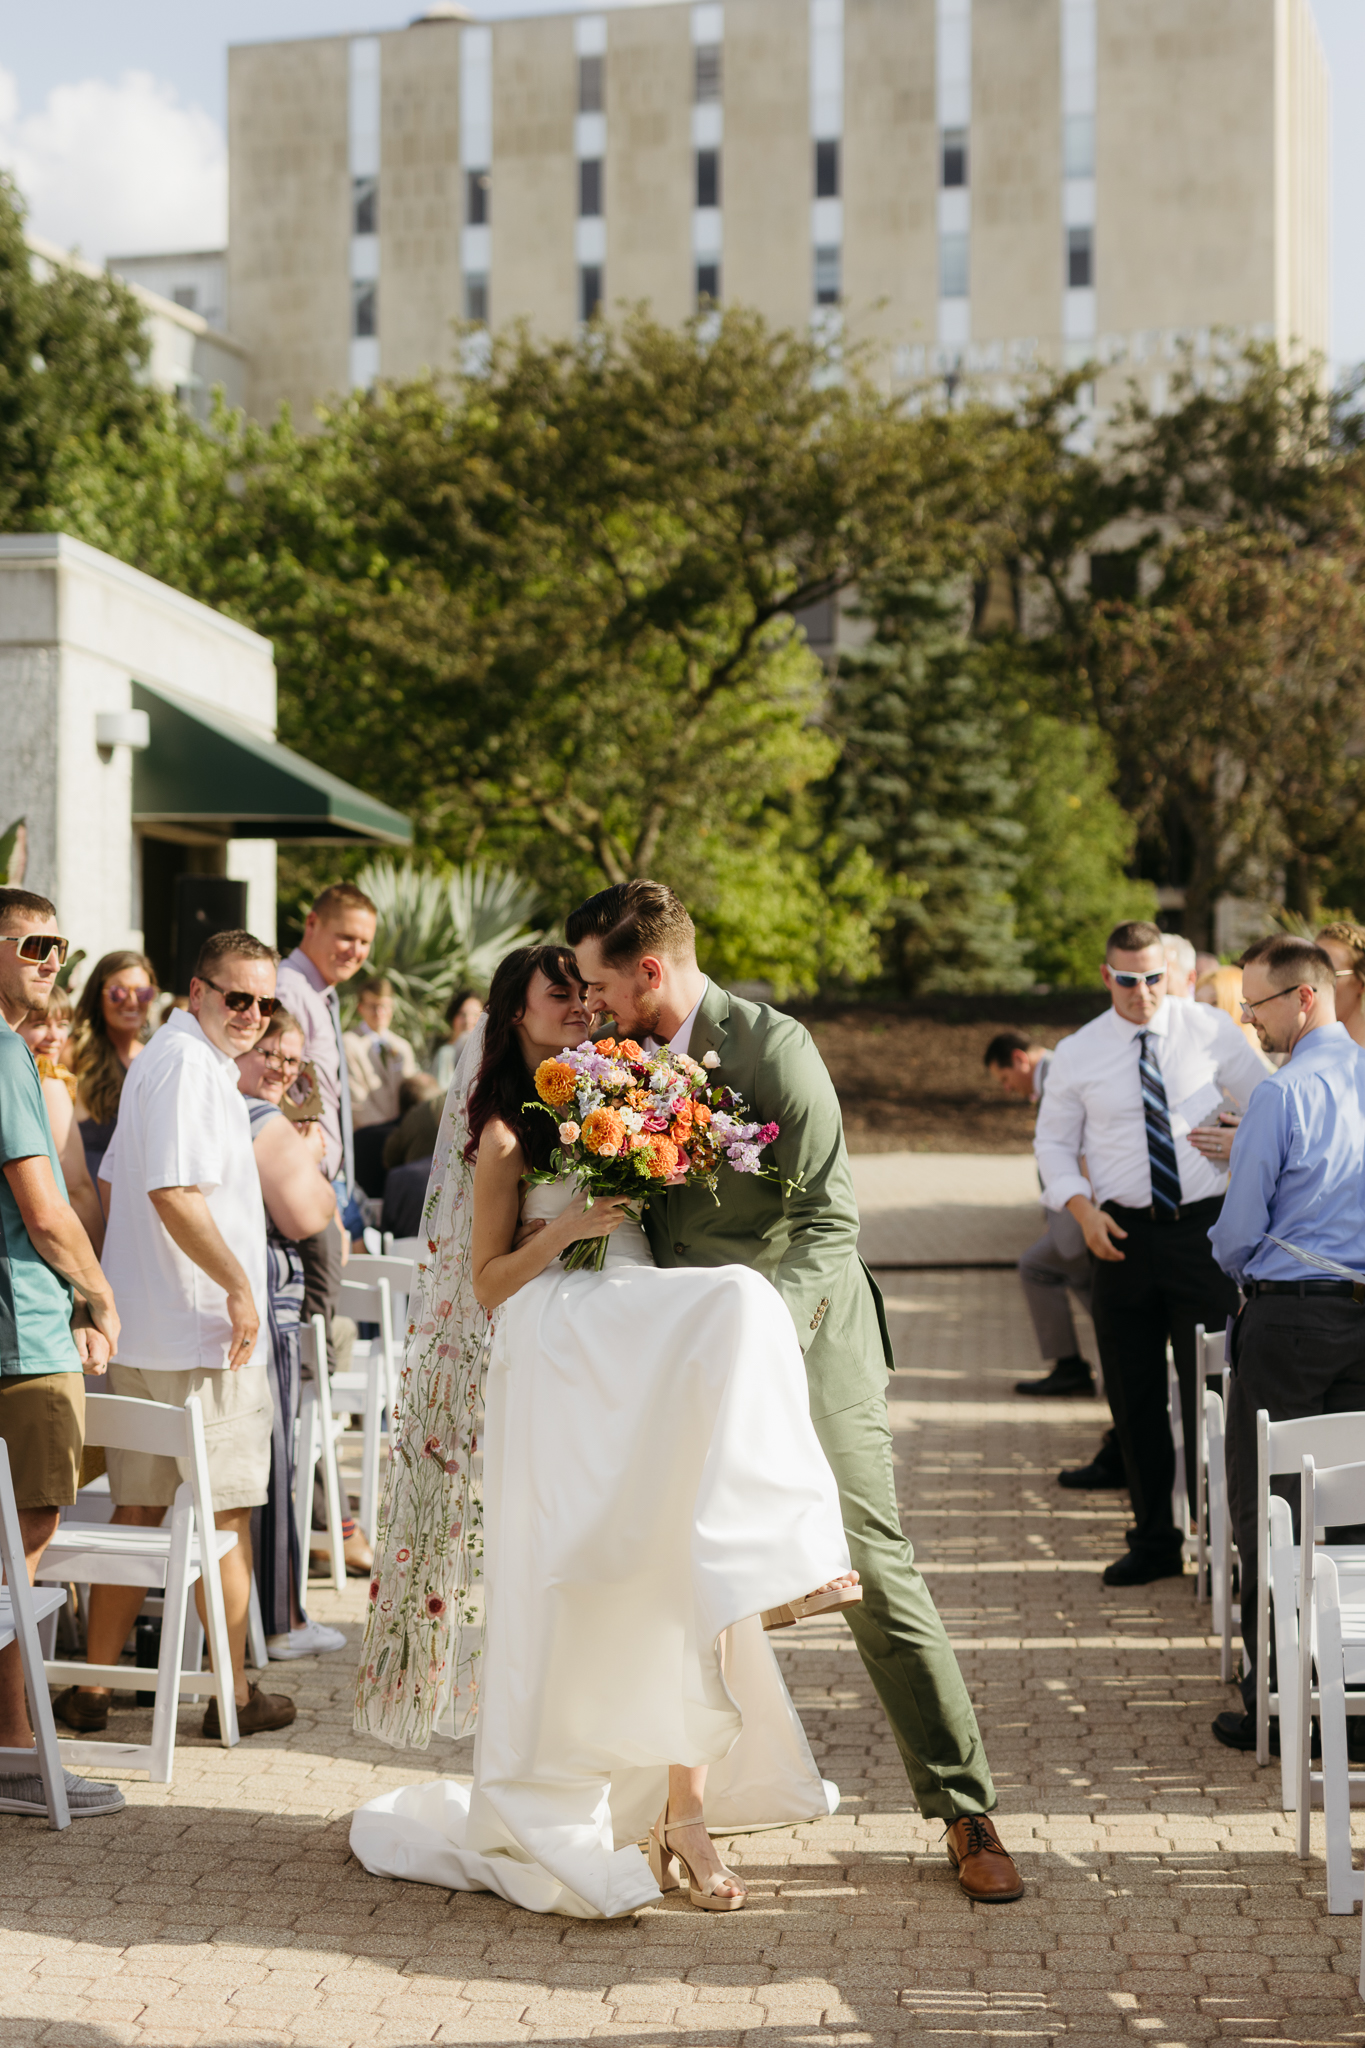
{"points": [[1165, 1899]]}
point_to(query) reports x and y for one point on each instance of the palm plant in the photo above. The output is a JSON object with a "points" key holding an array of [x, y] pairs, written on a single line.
{"points": [[439, 932]]}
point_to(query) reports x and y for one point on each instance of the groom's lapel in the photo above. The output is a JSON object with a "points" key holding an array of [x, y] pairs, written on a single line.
{"points": [[709, 1031]]}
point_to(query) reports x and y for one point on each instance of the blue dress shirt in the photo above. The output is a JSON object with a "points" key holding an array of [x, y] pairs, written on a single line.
{"points": [[1298, 1166]]}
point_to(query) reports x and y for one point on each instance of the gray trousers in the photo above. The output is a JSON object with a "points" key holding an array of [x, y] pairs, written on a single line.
{"points": [[1050, 1271]]}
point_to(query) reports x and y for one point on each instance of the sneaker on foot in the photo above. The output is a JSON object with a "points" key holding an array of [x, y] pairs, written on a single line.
{"points": [[312, 1639], [84, 1796]]}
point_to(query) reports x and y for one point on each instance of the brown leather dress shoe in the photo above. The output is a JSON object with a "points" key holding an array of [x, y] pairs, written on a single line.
{"points": [[262, 1712], [982, 1863], [86, 1712]]}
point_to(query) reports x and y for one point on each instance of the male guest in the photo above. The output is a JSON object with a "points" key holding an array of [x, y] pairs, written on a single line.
{"points": [[1059, 1261], [186, 1254], [1182, 967], [46, 1259], [636, 948], [1126, 1091], [1299, 1344], [337, 936]]}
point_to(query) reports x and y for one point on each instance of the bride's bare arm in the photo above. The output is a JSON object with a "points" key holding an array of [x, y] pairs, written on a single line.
{"points": [[499, 1269]]}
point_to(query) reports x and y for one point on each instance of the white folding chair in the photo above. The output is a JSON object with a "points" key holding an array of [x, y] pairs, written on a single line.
{"points": [[368, 1387], [22, 1607], [316, 1440], [1180, 1495], [1209, 1363], [1220, 1547], [401, 1274], [169, 1560], [1332, 1637], [414, 1248], [1281, 1448]]}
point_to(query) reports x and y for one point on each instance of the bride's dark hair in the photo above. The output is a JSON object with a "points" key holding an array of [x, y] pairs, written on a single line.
{"points": [[503, 1084]]}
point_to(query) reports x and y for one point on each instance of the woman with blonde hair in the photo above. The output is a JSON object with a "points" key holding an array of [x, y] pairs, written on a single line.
{"points": [[112, 1019], [1344, 945]]}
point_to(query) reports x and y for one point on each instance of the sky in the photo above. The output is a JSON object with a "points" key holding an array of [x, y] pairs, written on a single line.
{"points": [[112, 118]]}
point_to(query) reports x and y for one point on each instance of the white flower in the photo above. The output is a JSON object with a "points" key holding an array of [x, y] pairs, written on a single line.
{"points": [[710, 1060]]}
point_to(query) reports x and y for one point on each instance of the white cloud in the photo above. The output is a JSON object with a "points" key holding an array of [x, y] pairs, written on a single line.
{"points": [[117, 169]]}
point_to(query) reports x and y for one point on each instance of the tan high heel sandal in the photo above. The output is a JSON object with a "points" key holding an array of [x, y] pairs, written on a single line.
{"points": [[826, 1600], [662, 1859]]}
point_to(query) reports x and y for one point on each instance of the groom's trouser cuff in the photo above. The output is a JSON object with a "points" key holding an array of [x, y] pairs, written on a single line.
{"points": [[897, 1628]]}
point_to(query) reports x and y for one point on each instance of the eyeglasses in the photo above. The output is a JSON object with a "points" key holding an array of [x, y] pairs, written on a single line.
{"points": [[237, 998], [281, 1065], [1247, 1007], [141, 996], [36, 947], [1131, 980]]}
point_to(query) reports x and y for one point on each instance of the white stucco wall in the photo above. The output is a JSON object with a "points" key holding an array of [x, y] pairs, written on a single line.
{"points": [[77, 628]]}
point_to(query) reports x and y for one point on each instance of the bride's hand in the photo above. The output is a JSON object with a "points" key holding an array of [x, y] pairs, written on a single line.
{"points": [[599, 1218]]}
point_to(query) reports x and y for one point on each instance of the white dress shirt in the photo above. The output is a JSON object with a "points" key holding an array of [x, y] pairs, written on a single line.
{"points": [[681, 1040], [181, 1123], [1093, 1103]]}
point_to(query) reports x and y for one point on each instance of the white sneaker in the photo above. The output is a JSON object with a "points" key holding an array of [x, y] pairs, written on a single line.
{"points": [[309, 1641], [84, 1796]]}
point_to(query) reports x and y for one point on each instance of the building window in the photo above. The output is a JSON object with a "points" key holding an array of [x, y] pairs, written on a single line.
{"points": [[364, 206], [954, 266], [590, 187], [1078, 146], [1080, 258], [954, 160], [708, 284], [708, 177], [476, 198], [364, 308], [476, 297], [590, 83], [187, 295], [827, 170], [589, 291], [828, 266], [706, 74]]}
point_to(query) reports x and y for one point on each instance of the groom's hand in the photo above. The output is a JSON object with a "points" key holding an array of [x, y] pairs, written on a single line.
{"points": [[525, 1232]]}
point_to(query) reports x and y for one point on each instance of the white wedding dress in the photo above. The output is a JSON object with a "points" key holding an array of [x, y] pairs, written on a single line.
{"points": [[652, 1481]]}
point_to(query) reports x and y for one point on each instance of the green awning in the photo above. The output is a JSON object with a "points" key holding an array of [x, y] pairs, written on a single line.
{"points": [[205, 769]]}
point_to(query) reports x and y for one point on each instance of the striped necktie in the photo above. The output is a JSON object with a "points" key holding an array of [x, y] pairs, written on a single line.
{"points": [[1160, 1145]]}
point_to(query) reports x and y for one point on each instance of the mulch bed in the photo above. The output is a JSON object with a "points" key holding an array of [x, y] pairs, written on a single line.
{"points": [[911, 1077]]}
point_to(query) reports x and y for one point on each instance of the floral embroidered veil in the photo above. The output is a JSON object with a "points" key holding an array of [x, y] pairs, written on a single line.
{"points": [[423, 1630]]}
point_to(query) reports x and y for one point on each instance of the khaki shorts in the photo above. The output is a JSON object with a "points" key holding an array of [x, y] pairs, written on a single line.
{"points": [[42, 1422], [238, 1413]]}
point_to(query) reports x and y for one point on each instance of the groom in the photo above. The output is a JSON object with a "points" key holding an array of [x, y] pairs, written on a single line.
{"points": [[636, 949]]}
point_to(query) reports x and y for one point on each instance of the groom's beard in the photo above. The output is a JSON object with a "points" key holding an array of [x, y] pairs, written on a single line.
{"points": [[644, 1020]]}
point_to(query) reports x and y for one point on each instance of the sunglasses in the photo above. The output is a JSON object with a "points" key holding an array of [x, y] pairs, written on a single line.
{"points": [[141, 996], [282, 1065], [1132, 980], [237, 999], [36, 947]]}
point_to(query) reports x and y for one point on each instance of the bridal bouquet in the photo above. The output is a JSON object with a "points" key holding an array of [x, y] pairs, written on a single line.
{"points": [[629, 1119]]}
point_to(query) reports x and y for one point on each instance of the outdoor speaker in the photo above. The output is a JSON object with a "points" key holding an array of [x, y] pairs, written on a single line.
{"points": [[204, 906]]}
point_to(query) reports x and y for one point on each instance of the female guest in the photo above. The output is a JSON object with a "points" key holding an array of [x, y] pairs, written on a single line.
{"points": [[1344, 945], [463, 1012], [45, 1032], [113, 1019], [298, 1202]]}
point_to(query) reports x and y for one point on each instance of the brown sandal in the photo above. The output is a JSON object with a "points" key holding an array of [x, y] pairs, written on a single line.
{"points": [[662, 1859]]}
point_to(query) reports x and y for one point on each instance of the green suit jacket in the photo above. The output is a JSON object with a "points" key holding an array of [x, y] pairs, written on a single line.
{"points": [[805, 1241]]}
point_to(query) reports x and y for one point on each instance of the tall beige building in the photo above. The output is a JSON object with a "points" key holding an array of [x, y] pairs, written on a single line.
{"points": [[975, 185]]}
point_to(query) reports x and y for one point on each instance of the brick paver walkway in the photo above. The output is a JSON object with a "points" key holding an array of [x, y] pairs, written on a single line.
{"points": [[1165, 1901]]}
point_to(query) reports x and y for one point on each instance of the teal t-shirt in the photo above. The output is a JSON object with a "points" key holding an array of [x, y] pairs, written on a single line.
{"points": [[35, 1302]]}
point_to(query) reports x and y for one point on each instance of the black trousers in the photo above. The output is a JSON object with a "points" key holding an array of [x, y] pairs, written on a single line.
{"points": [[1291, 1355], [1167, 1282]]}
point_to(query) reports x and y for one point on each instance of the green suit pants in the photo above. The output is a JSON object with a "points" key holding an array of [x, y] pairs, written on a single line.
{"points": [[897, 1628]]}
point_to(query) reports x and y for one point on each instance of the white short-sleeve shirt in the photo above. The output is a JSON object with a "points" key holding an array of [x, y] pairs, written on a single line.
{"points": [[181, 1123]]}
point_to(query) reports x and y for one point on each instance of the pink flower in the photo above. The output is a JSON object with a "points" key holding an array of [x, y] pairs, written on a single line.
{"points": [[569, 1133], [452, 1466], [374, 1589], [433, 1447], [435, 1604], [444, 1308], [403, 1556]]}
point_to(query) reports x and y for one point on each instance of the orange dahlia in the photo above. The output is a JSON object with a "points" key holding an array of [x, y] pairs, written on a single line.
{"points": [[664, 1158], [604, 1131], [555, 1083]]}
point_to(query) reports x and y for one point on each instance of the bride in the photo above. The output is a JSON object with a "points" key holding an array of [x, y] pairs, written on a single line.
{"points": [[652, 1485]]}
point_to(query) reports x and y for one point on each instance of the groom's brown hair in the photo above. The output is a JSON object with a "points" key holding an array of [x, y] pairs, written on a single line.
{"points": [[634, 918]]}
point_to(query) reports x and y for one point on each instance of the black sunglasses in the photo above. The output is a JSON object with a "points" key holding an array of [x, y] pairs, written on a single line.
{"points": [[237, 998], [35, 947]]}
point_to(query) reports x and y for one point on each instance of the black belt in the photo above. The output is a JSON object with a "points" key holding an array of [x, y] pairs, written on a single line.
{"points": [[1344, 1290], [1206, 1211]]}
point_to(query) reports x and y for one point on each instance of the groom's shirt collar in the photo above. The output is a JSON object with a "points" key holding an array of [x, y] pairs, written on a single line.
{"points": [[681, 1041]]}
